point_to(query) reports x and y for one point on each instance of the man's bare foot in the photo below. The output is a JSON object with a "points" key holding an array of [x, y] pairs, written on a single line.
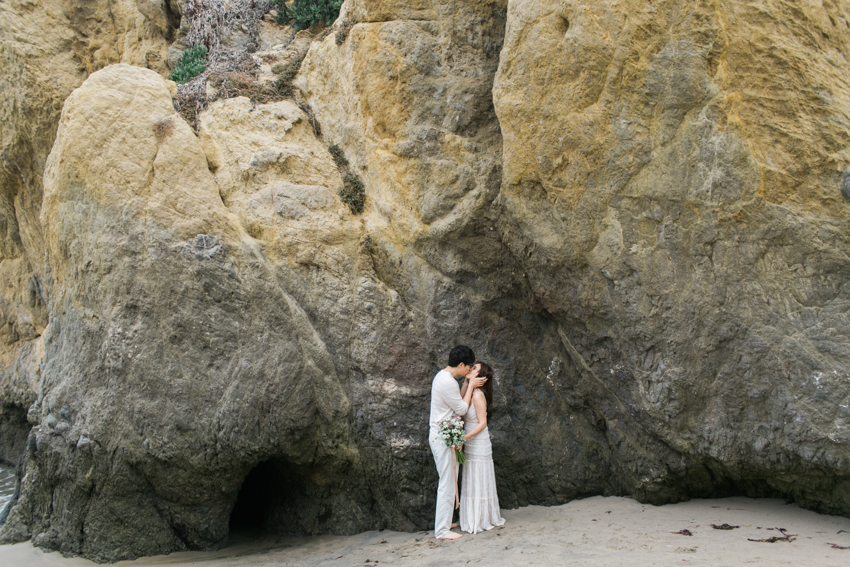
{"points": [[456, 525], [451, 535]]}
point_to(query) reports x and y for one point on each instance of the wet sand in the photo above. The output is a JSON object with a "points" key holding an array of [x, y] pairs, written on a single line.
{"points": [[593, 532]]}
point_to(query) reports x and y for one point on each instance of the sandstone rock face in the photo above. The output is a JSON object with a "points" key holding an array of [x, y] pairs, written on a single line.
{"points": [[407, 96], [632, 210], [142, 252], [47, 50], [672, 185]]}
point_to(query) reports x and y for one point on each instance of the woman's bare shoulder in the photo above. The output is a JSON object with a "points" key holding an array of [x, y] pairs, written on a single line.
{"points": [[478, 394]]}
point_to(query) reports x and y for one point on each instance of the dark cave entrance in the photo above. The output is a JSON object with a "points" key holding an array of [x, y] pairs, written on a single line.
{"points": [[281, 497], [14, 432], [259, 497]]}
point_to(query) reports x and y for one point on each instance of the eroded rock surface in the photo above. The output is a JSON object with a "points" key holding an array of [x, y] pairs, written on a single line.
{"points": [[634, 211], [145, 253], [672, 186], [47, 49]]}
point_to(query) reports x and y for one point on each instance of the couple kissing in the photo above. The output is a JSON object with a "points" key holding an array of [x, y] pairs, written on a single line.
{"points": [[478, 502]]}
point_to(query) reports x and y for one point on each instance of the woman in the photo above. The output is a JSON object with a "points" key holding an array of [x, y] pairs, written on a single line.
{"points": [[479, 504]]}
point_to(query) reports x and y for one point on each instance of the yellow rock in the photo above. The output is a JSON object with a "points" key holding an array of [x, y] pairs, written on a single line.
{"points": [[116, 108], [387, 10], [417, 126], [592, 94], [277, 177], [47, 50]]}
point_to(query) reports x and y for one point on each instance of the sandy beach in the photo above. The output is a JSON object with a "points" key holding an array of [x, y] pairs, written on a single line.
{"points": [[594, 532]]}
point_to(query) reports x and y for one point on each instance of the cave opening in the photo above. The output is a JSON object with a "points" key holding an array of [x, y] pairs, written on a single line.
{"points": [[14, 432], [259, 497], [280, 497]]}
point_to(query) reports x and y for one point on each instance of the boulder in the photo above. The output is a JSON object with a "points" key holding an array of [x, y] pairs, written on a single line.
{"points": [[672, 186], [48, 49], [199, 365]]}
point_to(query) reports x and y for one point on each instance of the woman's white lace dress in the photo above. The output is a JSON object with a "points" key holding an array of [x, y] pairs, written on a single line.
{"points": [[479, 504]]}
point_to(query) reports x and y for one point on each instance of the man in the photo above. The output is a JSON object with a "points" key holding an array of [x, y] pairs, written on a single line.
{"points": [[446, 400]]}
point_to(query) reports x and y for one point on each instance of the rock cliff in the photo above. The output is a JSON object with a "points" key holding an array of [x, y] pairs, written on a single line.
{"points": [[637, 212], [46, 51]]}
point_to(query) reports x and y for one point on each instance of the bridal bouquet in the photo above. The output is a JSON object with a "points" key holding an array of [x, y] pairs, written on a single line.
{"points": [[453, 434]]}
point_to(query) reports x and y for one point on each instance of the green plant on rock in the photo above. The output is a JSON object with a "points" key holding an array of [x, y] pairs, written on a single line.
{"points": [[192, 63], [286, 73], [343, 31], [338, 155], [353, 193], [279, 6], [307, 13]]}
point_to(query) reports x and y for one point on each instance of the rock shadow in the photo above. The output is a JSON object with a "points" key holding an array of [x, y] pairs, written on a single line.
{"points": [[279, 497], [261, 490]]}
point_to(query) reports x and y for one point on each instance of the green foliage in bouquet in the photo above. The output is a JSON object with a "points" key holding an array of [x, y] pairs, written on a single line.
{"points": [[307, 13], [192, 63], [454, 436]]}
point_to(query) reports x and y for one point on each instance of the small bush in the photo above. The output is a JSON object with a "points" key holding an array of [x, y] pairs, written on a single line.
{"points": [[229, 84], [338, 155], [286, 73], [279, 6], [343, 31], [311, 116], [307, 13], [366, 244], [192, 63], [353, 193]]}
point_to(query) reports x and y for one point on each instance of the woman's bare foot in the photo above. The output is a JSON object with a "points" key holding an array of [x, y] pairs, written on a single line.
{"points": [[451, 535], [456, 525]]}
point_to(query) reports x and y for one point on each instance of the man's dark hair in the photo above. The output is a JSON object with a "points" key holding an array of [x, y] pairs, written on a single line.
{"points": [[461, 353]]}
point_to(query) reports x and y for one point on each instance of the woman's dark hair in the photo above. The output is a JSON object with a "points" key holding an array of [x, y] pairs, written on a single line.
{"points": [[487, 388], [461, 353]]}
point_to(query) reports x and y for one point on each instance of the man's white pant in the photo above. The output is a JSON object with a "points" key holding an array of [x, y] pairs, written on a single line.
{"points": [[446, 489]]}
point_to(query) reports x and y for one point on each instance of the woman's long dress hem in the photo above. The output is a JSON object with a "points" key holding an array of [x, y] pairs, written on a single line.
{"points": [[479, 503]]}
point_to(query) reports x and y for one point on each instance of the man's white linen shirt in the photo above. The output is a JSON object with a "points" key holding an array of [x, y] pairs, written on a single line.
{"points": [[445, 399]]}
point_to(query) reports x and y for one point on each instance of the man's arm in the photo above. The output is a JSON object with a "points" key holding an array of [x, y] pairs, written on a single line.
{"points": [[456, 400], [470, 386], [458, 404]]}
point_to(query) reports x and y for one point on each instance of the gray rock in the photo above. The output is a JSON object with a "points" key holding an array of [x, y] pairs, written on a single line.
{"points": [[204, 247]]}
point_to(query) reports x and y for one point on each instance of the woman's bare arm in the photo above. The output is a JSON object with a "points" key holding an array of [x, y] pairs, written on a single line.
{"points": [[480, 403]]}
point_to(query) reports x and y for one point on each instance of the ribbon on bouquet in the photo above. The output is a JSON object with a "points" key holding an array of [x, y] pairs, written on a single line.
{"points": [[454, 470]]}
